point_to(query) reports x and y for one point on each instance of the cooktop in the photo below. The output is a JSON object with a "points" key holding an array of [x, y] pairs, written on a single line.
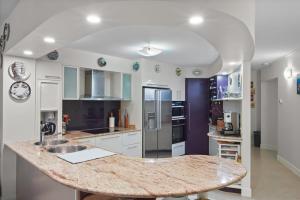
{"points": [[100, 130]]}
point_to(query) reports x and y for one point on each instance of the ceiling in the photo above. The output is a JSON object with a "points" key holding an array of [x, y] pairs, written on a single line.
{"points": [[277, 30], [180, 47], [226, 36], [6, 7]]}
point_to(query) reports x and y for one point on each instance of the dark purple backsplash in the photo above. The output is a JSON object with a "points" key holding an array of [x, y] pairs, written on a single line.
{"points": [[90, 114]]}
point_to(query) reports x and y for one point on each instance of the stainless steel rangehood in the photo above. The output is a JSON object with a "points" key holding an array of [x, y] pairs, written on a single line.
{"points": [[94, 86]]}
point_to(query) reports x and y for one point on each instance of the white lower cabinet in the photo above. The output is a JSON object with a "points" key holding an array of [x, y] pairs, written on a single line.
{"points": [[129, 144], [178, 149], [133, 150], [110, 143]]}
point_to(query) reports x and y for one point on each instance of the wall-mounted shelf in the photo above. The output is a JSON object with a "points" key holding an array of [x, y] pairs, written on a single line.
{"points": [[229, 99]]}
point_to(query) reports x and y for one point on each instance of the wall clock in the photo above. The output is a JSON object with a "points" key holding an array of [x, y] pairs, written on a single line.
{"points": [[101, 62], [157, 68], [17, 71], [178, 71], [136, 66], [20, 90]]}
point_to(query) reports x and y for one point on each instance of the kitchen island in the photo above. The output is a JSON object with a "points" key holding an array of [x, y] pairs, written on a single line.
{"points": [[43, 175]]}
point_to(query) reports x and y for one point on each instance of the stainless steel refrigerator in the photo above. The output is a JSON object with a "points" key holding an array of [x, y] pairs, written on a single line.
{"points": [[157, 122]]}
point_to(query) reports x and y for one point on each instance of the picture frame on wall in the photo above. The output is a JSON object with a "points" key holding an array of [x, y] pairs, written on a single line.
{"points": [[298, 84]]}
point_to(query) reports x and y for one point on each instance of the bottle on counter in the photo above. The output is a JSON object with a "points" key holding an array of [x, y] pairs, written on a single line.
{"points": [[111, 121], [120, 119], [126, 121]]}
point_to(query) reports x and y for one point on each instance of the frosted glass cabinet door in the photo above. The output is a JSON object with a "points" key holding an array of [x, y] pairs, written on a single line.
{"points": [[70, 83], [126, 86]]}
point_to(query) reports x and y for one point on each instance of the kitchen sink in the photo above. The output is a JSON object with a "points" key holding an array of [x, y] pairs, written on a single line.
{"points": [[52, 142], [66, 149]]}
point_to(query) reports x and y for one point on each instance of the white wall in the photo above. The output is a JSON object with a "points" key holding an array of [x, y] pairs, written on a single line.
{"points": [[288, 111], [166, 77], [269, 114], [245, 129], [1, 117], [18, 122]]}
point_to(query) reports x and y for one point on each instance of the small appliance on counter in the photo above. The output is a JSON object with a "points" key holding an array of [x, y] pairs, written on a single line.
{"points": [[231, 124], [220, 124]]}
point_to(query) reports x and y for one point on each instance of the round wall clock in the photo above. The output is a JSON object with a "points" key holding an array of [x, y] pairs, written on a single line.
{"points": [[53, 55], [101, 62], [178, 71], [136, 66], [17, 71], [20, 90], [157, 68]]}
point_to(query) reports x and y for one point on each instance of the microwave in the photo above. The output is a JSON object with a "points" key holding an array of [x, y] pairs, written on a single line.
{"points": [[178, 111]]}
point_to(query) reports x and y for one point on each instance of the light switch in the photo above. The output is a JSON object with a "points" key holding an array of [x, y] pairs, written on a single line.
{"points": [[280, 101]]}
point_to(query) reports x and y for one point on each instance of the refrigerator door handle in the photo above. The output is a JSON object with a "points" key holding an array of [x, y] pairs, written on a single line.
{"points": [[158, 108], [159, 99]]}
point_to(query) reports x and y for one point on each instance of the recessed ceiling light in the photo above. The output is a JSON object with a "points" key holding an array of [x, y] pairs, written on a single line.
{"points": [[93, 19], [196, 20], [28, 52], [233, 63], [149, 51], [50, 40]]}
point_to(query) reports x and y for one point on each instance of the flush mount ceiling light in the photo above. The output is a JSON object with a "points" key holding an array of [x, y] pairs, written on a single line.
{"points": [[233, 63], [196, 20], [93, 19], [49, 40], [149, 51], [27, 52]]}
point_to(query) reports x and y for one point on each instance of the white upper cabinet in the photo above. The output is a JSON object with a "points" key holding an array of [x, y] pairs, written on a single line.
{"points": [[126, 86], [50, 95], [81, 83], [70, 83], [48, 70]]}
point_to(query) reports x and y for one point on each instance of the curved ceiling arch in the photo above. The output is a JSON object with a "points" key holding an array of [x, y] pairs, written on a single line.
{"points": [[180, 47], [229, 36]]}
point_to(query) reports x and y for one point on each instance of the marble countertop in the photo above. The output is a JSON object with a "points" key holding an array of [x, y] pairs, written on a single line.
{"points": [[122, 176], [73, 135], [217, 136]]}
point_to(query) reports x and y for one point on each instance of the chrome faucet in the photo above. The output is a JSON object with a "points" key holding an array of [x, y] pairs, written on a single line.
{"points": [[47, 128]]}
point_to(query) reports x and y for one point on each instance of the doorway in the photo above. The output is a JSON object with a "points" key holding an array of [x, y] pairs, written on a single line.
{"points": [[269, 114]]}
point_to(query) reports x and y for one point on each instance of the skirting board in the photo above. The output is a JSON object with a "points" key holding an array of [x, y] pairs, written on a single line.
{"points": [[289, 165], [268, 147], [246, 192]]}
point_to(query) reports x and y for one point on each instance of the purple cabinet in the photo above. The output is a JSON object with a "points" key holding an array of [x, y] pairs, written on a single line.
{"points": [[197, 105]]}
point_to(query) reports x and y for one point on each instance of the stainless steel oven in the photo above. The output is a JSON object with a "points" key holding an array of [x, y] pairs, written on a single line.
{"points": [[177, 109], [178, 130]]}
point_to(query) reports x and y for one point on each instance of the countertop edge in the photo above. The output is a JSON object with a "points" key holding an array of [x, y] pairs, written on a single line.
{"points": [[76, 187]]}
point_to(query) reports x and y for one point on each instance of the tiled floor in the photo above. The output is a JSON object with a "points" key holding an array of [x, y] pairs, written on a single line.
{"points": [[270, 180]]}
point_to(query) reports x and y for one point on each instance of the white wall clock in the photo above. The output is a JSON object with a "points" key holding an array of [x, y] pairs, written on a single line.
{"points": [[17, 71], [157, 68], [20, 90]]}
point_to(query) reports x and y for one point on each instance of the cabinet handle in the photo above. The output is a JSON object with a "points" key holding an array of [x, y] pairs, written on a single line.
{"points": [[54, 77], [189, 116]]}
